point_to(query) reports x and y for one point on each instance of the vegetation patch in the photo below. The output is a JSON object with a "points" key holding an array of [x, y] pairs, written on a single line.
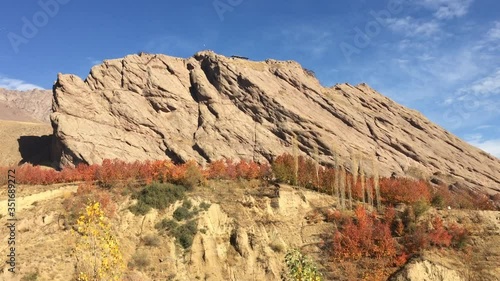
{"points": [[183, 233], [140, 259], [151, 240], [157, 195], [33, 276], [300, 267]]}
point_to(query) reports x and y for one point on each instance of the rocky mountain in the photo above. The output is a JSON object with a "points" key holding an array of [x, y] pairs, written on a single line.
{"points": [[27, 106], [209, 106]]}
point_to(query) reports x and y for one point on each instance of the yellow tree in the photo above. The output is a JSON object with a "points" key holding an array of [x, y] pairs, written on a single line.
{"points": [[98, 257]]}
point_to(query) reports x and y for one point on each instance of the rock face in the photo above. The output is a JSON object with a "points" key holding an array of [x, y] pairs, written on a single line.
{"points": [[418, 270], [209, 106], [27, 106]]}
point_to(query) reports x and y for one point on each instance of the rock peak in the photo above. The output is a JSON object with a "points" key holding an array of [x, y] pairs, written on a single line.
{"points": [[209, 106]]}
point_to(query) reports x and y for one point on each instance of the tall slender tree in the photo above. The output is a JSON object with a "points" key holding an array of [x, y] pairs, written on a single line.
{"points": [[363, 183], [355, 171], [376, 184], [295, 150], [342, 187], [316, 164]]}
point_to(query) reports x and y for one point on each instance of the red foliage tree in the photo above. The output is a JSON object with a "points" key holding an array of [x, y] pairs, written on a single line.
{"points": [[403, 190]]}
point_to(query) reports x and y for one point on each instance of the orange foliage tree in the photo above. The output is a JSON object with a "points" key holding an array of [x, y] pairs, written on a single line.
{"points": [[404, 190]]}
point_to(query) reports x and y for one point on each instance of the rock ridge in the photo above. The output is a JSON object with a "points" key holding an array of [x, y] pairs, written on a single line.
{"points": [[207, 107]]}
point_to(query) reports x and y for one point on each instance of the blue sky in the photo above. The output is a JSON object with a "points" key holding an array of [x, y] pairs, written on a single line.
{"points": [[441, 57]]}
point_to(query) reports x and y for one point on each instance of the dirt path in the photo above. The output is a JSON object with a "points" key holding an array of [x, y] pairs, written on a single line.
{"points": [[26, 202]]}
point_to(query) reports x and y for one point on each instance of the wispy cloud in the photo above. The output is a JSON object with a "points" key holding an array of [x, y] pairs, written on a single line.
{"points": [[412, 27], [491, 146], [16, 84], [447, 9], [490, 42], [93, 61], [487, 86], [494, 32]]}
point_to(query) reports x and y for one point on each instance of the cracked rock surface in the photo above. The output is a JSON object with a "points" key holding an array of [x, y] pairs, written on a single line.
{"points": [[209, 106]]}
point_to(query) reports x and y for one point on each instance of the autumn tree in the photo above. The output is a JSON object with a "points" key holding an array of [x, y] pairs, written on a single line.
{"points": [[98, 257]]}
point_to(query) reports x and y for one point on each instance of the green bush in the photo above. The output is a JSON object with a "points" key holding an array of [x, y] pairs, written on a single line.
{"points": [[187, 204], [185, 233], [158, 196], [205, 206], [167, 224], [182, 213], [140, 209]]}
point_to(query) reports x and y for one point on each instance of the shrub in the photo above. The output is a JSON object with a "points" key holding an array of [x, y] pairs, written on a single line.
{"points": [[187, 204], [158, 196], [140, 209], [366, 236], [192, 176], [460, 236], [205, 206], [140, 259], [420, 207], [167, 224], [182, 213], [217, 170], [185, 233], [403, 190], [438, 201], [277, 246], [439, 236], [88, 192], [30, 277], [151, 240], [299, 267]]}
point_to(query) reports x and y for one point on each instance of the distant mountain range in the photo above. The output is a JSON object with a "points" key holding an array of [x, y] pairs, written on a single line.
{"points": [[27, 106]]}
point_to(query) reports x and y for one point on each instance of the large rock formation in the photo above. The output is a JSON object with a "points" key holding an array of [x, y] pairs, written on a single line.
{"points": [[209, 106], [417, 270], [27, 106]]}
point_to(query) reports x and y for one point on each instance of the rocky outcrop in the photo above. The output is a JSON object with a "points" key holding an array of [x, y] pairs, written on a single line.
{"points": [[419, 269], [27, 106], [209, 106]]}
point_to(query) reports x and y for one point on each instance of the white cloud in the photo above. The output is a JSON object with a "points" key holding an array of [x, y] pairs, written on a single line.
{"points": [[491, 41], [93, 60], [494, 32], [489, 85], [16, 84], [447, 9], [491, 146], [411, 27]]}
